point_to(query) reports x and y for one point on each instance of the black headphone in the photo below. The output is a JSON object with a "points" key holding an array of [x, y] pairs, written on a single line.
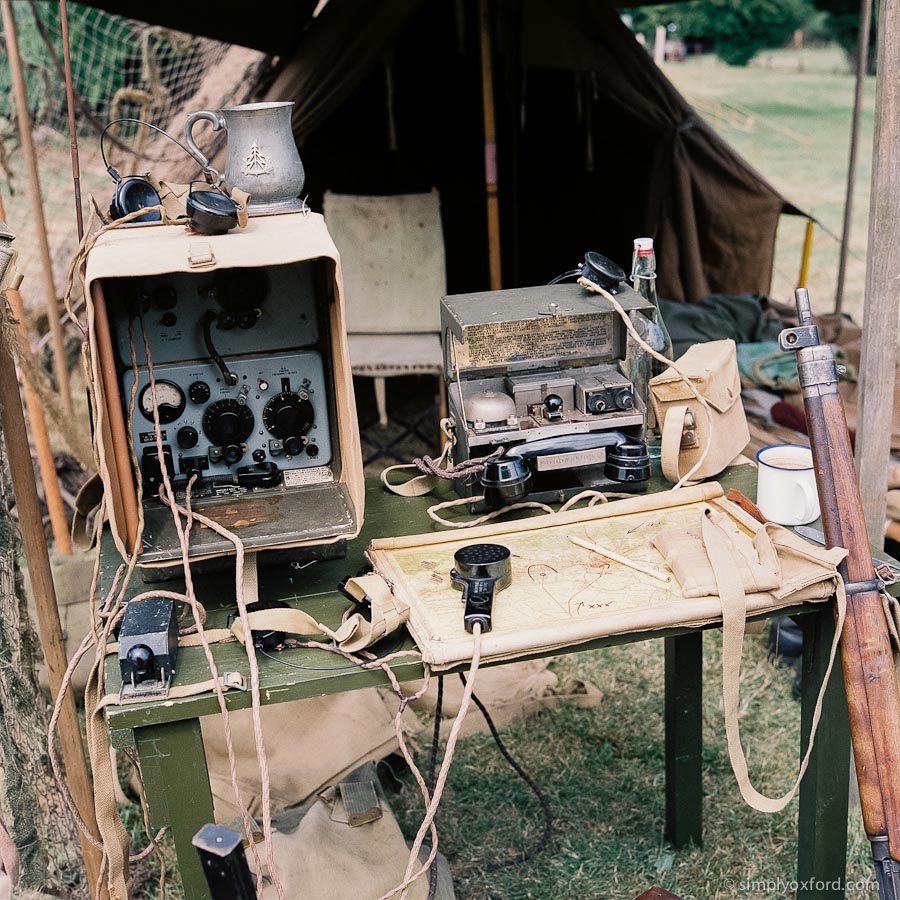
{"points": [[209, 212]]}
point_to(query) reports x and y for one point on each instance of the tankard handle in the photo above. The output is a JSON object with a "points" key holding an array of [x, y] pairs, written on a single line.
{"points": [[217, 120]]}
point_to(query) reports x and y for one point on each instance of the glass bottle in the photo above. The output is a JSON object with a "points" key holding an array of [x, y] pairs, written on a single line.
{"points": [[643, 273]]}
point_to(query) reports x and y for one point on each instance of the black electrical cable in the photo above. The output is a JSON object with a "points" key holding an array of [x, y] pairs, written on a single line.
{"points": [[229, 376], [572, 273], [205, 167], [432, 771], [396, 646], [547, 833]]}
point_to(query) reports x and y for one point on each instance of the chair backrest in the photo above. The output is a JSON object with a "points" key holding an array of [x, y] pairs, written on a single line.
{"points": [[392, 258]]}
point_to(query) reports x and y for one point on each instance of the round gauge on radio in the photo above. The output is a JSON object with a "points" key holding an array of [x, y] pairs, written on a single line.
{"points": [[170, 402], [289, 413], [227, 422]]}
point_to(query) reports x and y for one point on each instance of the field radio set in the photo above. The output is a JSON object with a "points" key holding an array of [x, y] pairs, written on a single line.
{"points": [[535, 383], [244, 335]]}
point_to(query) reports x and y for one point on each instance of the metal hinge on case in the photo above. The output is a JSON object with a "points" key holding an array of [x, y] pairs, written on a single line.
{"points": [[200, 255], [689, 433]]}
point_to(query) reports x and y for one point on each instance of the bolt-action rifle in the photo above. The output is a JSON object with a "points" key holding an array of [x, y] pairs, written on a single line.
{"points": [[873, 695]]}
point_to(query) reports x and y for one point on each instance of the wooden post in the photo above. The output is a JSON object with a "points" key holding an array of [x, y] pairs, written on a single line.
{"points": [[31, 528], [38, 423], [862, 64], [70, 106], [490, 147], [34, 186], [879, 336], [12, 424]]}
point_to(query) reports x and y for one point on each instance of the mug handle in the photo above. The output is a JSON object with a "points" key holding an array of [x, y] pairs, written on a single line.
{"points": [[810, 499], [215, 118]]}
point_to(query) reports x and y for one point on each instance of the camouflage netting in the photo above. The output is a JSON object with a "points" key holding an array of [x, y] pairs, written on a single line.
{"points": [[29, 799]]}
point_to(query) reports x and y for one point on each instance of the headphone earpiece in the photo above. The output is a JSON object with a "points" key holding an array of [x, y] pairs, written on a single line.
{"points": [[133, 194], [211, 212]]}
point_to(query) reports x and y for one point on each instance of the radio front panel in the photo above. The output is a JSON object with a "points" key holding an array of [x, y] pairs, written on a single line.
{"points": [[256, 311], [277, 414]]}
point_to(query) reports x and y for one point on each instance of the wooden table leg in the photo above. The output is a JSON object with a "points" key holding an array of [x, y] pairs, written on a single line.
{"points": [[176, 781], [824, 792], [684, 739]]}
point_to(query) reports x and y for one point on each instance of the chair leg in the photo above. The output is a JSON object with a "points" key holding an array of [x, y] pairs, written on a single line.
{"points": [[381, 401]]}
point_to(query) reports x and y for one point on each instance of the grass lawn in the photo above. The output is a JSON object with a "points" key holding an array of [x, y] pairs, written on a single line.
{"points": [[789, 115], [603, 770]]}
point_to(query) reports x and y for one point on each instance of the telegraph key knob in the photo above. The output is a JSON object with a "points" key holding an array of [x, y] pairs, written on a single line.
{"points": [[553, 405], [227, 422], [288, 414]]}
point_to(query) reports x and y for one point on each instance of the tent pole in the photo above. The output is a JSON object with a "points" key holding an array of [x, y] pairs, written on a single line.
{"points": [[38, 423], [60, 365], [862, 64], [490, 146], [882, 300]]}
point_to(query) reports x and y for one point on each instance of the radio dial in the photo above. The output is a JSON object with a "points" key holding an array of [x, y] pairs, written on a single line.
{"points": [[227, 422], [289, 414]]}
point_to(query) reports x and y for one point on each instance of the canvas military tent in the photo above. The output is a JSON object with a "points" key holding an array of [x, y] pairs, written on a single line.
{"points": [[594, 145]]}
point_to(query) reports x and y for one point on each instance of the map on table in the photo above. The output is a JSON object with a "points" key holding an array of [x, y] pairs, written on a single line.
{"points": [[561, 593]]}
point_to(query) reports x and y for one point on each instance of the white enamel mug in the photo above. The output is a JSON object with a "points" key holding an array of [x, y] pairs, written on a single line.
{"points": [[786, 484]]}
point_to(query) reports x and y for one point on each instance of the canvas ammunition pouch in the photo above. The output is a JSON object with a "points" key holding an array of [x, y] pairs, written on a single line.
{"points": [[687, 429]]}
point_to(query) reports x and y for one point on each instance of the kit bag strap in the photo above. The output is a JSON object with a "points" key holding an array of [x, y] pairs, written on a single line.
{"points": [[734, 617], [673, 428], [383, 614], [87, 502]]}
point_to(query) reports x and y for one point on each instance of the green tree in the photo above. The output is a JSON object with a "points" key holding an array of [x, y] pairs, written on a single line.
{"points": [[739, 29], [842, 26]]}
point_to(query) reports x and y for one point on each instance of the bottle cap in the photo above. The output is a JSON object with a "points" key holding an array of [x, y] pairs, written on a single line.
{"points": [[643, 246]]}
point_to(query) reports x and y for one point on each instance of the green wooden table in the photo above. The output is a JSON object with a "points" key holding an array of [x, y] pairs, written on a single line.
{"points": [[166, 734]]}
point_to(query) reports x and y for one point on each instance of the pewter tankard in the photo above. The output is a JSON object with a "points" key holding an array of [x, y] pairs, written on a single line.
{"points": [[262, 156]]}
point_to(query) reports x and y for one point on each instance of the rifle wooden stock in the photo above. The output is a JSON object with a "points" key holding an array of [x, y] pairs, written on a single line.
{"points": [[873, 697]]}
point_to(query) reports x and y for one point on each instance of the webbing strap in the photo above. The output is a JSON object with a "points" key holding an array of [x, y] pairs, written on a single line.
{"points": [[734, 616], [421, 484], [673, 428]]}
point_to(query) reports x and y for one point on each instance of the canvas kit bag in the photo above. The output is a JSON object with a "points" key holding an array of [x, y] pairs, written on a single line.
{"points": [[688, 427]]}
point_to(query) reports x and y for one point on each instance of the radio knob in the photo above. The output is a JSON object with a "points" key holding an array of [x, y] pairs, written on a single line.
{"points": [[199, 392], [227, 422], [625, 400], [187, 437], [293, 445], [232, 454], [289, 414]]}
